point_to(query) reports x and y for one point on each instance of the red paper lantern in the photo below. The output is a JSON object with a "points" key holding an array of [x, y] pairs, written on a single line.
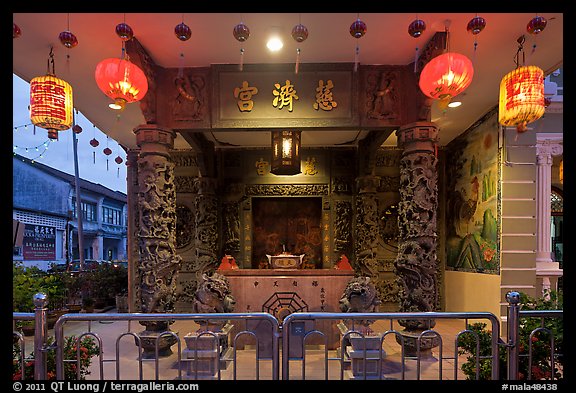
{"points": [[107, 151], [77, 129], [121, 80], [118, 160], [446, 76], [94, 142], [521, 97], [51, 104]]}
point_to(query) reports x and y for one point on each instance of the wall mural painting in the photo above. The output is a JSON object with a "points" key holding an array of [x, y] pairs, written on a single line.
{"points": [[472, 201], [290, 224]]}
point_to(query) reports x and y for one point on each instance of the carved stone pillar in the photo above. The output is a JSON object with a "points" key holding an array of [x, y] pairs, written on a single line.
{"points": [[366, 226], [132, 229], [158, 263], [231, 197], [206, 208], [547, 146], [416, 263]]}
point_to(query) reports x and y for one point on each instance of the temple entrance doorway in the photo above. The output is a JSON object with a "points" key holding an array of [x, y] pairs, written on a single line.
{"points": [[287, 224]]}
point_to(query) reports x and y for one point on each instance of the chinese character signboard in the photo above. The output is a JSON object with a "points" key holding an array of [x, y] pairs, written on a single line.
{"points": [[39, 243], [263, 96]]}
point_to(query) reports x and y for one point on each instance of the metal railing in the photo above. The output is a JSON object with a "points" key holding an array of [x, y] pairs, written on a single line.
{"points": [[419, 338], [358, 353]]}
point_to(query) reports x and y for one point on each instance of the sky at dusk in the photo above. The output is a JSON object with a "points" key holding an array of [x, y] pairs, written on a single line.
{"points": [[60, 154]]}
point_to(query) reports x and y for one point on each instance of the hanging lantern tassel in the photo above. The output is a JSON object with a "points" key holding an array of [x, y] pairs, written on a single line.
{"points": [[415, 29], [299, 34], [475, 26], [356, 56], [297, 60], [241, 32], [357, 30]]}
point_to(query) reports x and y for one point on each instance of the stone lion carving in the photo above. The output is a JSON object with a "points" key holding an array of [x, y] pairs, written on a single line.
{"points": [[360, 295], [213, 295]]}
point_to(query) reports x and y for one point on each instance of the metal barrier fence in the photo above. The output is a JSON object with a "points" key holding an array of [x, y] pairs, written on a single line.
{"points": [[367, 360], [358, 352]]}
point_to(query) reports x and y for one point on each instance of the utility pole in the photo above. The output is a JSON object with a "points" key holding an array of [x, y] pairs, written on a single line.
{"points": [[78, 204]]}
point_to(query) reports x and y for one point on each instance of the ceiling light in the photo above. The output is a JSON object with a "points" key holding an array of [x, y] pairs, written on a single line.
{"points": [[455, 104], [274, 44]]}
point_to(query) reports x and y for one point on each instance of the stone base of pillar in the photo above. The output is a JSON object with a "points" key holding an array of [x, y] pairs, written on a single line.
{"points": [[423, 349], [156, 332]]}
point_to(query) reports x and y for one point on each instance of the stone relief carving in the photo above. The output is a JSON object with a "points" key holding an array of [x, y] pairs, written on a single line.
{"points": [[231, 227], [343, 227], [388, 157], [184, 184], [382, 102], [366, 234], [189, 103], [388, 290], [416, 261], [419, 195], [141, 58], [183, 159], [159, 264], [206, 208], [389, 184], [184, 226], [342, 185], [287, 189]]}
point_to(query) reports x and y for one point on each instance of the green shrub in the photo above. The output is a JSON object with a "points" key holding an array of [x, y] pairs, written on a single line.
{"points": [[541, 367]]}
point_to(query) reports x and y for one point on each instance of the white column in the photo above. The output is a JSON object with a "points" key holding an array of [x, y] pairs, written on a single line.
{"points": [[545, 149], [547, 146]]}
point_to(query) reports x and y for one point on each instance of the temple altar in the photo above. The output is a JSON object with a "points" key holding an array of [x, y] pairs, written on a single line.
{"points": [[281, 292]]}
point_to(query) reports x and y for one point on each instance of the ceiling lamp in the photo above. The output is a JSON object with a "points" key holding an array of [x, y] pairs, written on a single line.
{"points": [[51, 102], [119, 78], [286, 152], [521, 94], [446, 76]]}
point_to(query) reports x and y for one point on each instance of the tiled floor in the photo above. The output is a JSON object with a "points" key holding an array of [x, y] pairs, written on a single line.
{"points": [[128, 366]]}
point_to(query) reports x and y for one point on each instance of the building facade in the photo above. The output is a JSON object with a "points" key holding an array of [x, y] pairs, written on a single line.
{"points": [[44, 207]]}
